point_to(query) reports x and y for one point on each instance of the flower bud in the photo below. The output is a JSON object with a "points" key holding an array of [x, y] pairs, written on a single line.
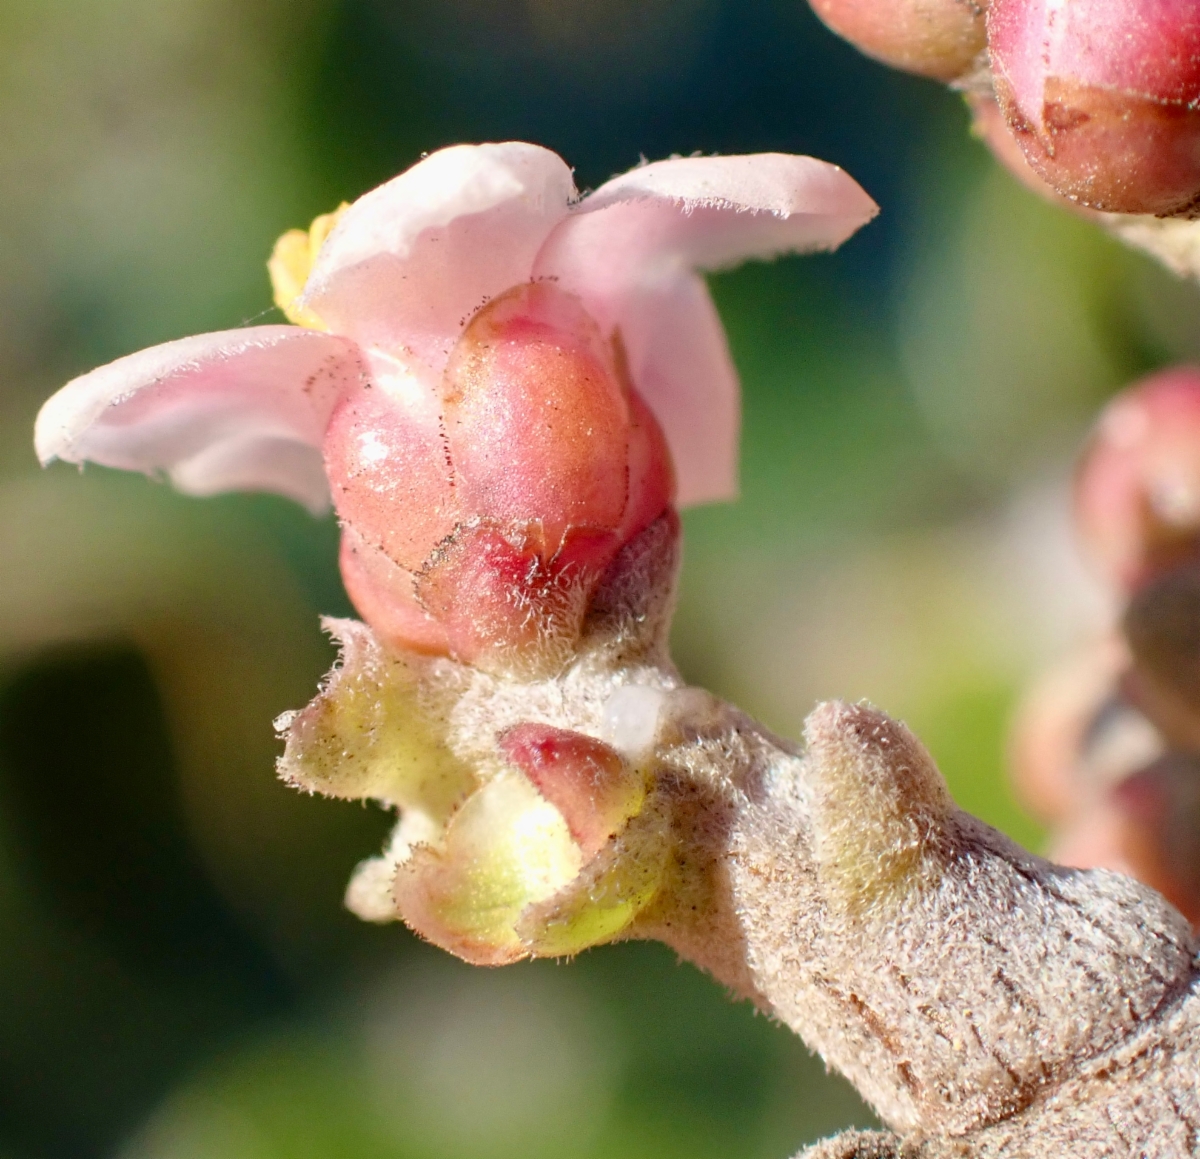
{"points": [[481, 516], [1137, 491], [1102, 97], [935, 38], [585, 779]]}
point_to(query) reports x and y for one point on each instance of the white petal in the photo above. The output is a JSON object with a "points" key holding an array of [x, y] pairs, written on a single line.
{"points": [[678, 357], [712, 212], [241, 409], [627, 250], [279, 465], [411, 261]]}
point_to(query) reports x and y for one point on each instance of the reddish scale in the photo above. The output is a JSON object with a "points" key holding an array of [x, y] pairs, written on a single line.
{"points": [[586, 780], [385, 460], [650, 472], [494, 592], [480, 523], [385, 595], [1102, 97], [1137, 491]]}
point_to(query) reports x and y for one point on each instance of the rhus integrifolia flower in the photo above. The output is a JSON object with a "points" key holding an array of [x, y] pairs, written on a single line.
{"points": [[506, 389], [489, 367], [499, 377]]}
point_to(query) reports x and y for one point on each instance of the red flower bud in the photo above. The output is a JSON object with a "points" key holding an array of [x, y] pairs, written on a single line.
{"points": [[935, 38], [480, 518], [1102, 97], [1137, 492]]}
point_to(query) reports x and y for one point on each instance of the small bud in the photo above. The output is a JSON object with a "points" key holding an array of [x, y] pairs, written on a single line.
{"points": [[1102, 97], [878, 804], [505, 849], [1137, 491], [935, 38], [516, 838]]}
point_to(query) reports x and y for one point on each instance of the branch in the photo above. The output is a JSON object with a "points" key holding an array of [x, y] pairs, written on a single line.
{"points": [[984, 1001]]}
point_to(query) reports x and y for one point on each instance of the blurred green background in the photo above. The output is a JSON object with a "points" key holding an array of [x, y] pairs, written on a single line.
{"points": [[178, 979]]}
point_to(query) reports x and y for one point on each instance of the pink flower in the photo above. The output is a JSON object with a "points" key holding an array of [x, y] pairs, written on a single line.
{"points": [[492, 376]]}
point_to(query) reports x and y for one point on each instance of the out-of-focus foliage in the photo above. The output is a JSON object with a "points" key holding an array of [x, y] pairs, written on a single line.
{"points": [[180, 979]]}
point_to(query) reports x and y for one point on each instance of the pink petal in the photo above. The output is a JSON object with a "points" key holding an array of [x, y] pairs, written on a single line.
{"points": [[412, 260], [680, 362], [240, 409], [626, 251]]}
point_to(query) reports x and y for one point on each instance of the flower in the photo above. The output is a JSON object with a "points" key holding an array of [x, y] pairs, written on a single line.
{"points": [[505, 388], [394, 296]]}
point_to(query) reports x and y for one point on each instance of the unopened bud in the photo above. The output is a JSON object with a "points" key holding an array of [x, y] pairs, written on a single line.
{"points": [[935, 38], [585, 779], [481, 517], [878, 804], [1102, 97], [1137, 494]]}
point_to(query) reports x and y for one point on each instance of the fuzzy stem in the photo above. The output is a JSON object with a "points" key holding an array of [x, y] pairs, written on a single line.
{"points": [[979, 997]]}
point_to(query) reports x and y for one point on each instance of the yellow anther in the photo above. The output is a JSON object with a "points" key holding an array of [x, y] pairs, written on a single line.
{"points": [[292, 261]]}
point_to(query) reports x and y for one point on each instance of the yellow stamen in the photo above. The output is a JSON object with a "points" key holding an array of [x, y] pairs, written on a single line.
{"points": [[292, 261]]}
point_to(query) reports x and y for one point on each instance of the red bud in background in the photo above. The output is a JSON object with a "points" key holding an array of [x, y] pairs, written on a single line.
{"points": [[1102, 97], [935, 38], [1137, 493]]}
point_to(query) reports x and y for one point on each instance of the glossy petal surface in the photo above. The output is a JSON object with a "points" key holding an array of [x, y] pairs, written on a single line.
{"points": [[411, 261]]}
